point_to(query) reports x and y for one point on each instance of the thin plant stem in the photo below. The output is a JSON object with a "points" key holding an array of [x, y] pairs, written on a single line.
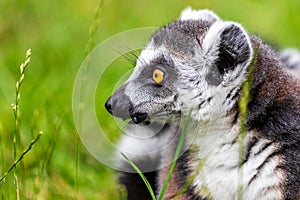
{"points": [[15, 108], [94, 27], [176, 155], [141, 175], [28, 148], [17, 186]]}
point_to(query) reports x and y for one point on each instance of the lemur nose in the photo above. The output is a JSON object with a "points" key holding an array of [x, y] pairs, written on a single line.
{"points": [[108, 105]]}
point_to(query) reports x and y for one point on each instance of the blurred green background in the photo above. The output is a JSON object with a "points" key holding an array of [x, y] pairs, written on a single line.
{"points": [[57, 31]]}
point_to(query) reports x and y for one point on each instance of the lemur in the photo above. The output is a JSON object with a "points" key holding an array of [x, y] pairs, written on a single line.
{"points": [[195, 68]]}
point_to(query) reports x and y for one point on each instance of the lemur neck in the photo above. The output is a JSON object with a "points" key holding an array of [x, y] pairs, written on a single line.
{"points": [[209, 137], [272, 109]]}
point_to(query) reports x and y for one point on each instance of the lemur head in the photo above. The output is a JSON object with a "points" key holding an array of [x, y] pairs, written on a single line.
{"points": [[197, 62]]}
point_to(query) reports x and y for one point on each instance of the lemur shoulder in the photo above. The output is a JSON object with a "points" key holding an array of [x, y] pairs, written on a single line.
{"points": [[200, 63]]}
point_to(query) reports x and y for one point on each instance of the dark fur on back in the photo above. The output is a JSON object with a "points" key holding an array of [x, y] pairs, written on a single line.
{"points": [[274, 113]]}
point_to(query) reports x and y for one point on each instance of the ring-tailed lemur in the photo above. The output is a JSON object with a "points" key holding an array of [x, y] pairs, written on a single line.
{"points": [[200, 63]]}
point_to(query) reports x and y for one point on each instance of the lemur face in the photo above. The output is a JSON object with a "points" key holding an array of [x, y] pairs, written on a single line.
{"points": [[197, 62], [150, 93]]}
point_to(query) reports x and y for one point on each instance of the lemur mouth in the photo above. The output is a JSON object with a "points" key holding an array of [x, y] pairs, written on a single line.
{"points": [[140, 118]]}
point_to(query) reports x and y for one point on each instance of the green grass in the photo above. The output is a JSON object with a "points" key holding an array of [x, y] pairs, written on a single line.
{"points": [[176, 155], [58, 33], [151, 192]]}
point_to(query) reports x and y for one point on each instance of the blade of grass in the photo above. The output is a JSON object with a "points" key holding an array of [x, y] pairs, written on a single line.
{"points": [[141, 175], [176, 155], [21, 156]]}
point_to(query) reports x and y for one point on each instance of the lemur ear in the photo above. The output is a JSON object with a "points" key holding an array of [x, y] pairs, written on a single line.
{"points": [[190, 14], [228, 45]]}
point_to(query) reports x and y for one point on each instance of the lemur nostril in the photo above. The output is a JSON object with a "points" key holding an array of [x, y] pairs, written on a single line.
{"points": [[108, 105], [139, 117]]}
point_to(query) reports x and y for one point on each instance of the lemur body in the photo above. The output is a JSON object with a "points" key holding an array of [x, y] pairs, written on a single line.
{"points": [[204, 63]]}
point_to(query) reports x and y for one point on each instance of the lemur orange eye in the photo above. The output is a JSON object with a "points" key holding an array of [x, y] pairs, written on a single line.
{"points": [[158, 76]]}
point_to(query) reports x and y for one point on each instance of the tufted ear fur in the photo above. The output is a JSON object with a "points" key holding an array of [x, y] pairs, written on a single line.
{"points": [[190, 14], [228, 45]]}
